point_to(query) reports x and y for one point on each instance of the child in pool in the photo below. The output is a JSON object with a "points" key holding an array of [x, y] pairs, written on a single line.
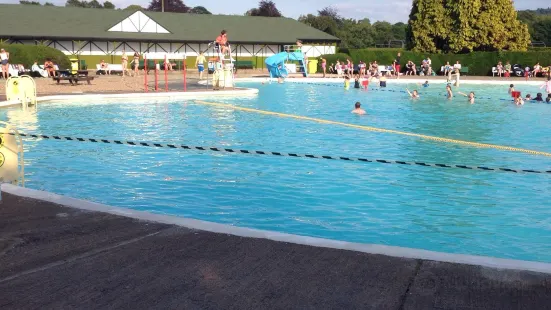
{"points": [[426, 84], [347, 82], [519, 101], [511, 89], [357, 82], [528, 97], [470, 96], [357, 109], [548, 99], [547, 84], [414, 94], [539, 97], [449, 92], [382, 81]]}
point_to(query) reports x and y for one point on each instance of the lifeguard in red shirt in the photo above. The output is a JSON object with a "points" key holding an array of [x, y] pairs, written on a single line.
{"points": [[222, 42]]}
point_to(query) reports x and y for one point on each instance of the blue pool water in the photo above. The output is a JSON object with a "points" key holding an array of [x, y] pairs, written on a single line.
{"points": [[451, 210]]}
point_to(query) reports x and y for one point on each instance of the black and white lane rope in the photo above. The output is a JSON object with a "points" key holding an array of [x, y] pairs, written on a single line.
{"points": [[286, 154]]}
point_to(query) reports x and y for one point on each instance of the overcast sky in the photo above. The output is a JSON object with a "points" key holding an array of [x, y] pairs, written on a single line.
{"points": [[388, 10]]}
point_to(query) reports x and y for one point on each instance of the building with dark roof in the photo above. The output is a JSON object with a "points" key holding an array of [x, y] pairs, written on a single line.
{"points": [[93, 34]]}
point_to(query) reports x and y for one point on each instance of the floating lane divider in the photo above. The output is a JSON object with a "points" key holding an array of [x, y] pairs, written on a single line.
{"points": [[282, 154], [340, 85], [376, 129]]}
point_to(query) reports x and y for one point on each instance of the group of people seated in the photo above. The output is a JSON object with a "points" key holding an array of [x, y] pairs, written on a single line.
{"points": [[506, 70], [347, 68], [425, 67]]}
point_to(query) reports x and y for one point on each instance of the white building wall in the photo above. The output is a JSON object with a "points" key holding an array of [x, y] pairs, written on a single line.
{"points": [[100, 48], [318, 50]]}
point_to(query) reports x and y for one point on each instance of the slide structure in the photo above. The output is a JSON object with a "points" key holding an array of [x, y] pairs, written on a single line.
{"points": [[276, 63]]}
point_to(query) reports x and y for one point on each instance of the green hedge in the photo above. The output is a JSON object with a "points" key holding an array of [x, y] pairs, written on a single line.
{"points": [[479, 63], [28, 54]]}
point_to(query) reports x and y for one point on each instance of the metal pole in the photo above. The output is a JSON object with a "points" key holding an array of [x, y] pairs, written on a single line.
{"points": [[185, 76], [166, 76], [156, 77], [162, 5], [145, 71]]}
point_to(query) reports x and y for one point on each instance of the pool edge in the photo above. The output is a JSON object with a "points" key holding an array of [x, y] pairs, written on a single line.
{"points": [[393, 251], [238, 92]]}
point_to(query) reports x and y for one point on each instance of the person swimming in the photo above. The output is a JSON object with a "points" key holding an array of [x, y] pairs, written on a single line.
{"points": [[547, 84], [470, 96], [519, 101], [511, 89], [382, 81], [539, 97], [548, 99], [357, 109], [357, 82], [347, 82], [528, 97], [426, 84], [414, 94], [449, 92]]}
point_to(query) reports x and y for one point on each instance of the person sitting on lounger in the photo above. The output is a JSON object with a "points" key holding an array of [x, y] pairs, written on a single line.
{"points": [[104, 67], [36, 68], [49, 67]]}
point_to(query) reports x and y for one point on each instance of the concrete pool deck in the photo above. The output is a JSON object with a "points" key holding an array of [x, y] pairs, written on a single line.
{"points": [[53, 256]]}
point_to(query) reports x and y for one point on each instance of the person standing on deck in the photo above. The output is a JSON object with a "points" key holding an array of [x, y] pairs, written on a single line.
{"points": [[136, 62], [397, 66], [200, 64], [124, 60], [5, 58]]}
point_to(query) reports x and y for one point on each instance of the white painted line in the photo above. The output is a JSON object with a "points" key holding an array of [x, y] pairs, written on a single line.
{"points": [[394, 251]]}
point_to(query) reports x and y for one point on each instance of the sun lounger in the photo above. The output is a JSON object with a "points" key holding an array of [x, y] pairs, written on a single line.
{"points": [[73, 79], [111, 68]]}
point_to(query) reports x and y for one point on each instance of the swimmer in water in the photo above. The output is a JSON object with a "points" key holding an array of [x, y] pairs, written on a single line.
{"points": [[357, 81], [347, 82], [357, 109], [539, 97], [519, 101], [547, 84], [528, 97], [382, 81], [426, 84], [414, 94], [511, 89], [470, 96], [449, 92]]}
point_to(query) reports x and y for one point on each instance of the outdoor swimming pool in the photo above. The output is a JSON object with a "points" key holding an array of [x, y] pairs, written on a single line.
{"points": [[451, 210]]}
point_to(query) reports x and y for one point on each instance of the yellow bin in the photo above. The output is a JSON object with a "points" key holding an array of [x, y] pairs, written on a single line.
{"points": [[312, 66], [74, 65]]}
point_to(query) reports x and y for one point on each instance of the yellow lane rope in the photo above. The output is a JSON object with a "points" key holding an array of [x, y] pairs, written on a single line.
{"points": [[375, 129]]}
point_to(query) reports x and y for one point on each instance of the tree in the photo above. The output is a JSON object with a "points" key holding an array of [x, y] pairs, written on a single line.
{"points": [[134, 7], [330, 12], [382, 32], [265, 8], [176, 6], [94, 4], [399, 31], [542, 30], [29, 2], [323, 23], [48, 4], [199, 10], [108, 5], [76, 3], [465, 26]]}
